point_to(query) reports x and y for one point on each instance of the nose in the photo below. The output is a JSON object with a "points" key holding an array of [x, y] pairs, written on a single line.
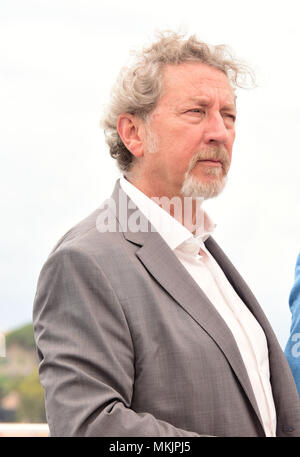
{"points": [[216, 130]]}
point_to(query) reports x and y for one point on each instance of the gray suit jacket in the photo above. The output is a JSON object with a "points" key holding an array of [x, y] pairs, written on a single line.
{"points": [[129, 345]]}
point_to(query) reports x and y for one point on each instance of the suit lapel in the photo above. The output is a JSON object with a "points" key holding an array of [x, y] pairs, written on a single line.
{"points": [[240, 286], [164, 266]]}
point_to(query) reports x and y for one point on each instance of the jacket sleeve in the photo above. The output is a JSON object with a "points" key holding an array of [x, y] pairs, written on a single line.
{"points": [[292, 350], [86, 353]]}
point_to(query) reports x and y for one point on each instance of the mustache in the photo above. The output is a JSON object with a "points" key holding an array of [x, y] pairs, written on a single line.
{"points": [[219, 154]]}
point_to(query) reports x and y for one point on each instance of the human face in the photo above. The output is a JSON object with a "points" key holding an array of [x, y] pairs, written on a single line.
{"points": [[193, 126]]}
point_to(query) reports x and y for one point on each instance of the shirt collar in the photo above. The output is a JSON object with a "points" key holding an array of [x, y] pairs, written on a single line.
{"points": [[172, 231]]}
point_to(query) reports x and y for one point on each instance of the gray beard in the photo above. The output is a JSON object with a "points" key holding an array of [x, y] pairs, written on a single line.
{"points": [[193, 187]]}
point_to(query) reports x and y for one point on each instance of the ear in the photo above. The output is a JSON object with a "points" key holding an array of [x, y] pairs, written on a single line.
{"points": [[129, 130]]}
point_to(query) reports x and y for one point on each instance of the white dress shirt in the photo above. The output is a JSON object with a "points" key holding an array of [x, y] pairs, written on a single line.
{"points": [[192, 253]]}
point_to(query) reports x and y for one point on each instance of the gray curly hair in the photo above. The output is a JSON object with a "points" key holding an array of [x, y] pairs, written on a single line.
{"points": [[139, 87]]}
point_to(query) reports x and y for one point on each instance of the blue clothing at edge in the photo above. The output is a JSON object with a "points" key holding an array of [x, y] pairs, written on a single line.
{"points": [[292, 350]]}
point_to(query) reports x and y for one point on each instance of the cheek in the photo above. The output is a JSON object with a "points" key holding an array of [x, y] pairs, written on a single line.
{"points": [[230, 145], [177, 146], [232, 138]]}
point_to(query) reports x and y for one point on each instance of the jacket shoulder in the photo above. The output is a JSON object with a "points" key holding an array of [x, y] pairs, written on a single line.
{"points": [[86, 236]]}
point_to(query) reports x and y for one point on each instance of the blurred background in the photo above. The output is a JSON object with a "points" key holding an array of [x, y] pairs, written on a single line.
{"points": [[58, 60]]}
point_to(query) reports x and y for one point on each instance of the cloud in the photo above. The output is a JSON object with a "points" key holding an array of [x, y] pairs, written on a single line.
{"points": [[58, 60]]}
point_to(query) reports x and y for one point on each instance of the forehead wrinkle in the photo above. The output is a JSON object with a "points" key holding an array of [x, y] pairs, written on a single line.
{"points": [[205, 88], [185, 85], [208, 100]]}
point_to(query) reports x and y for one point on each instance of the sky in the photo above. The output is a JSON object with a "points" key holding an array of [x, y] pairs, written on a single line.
{"points": [[58, 61]]}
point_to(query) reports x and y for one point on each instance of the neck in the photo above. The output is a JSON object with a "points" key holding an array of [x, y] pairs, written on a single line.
{"points": [[186, 210]]}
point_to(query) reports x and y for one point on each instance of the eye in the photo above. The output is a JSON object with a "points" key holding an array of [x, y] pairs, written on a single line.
{"points": [[196, 110], [230, 116]]}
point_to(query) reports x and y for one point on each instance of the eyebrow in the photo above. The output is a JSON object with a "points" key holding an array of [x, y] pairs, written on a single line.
{"points": [[204, 101]]}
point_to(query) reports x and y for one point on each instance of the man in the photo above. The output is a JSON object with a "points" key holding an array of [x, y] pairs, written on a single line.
{"points": [[292, 350], [143, 326]]}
